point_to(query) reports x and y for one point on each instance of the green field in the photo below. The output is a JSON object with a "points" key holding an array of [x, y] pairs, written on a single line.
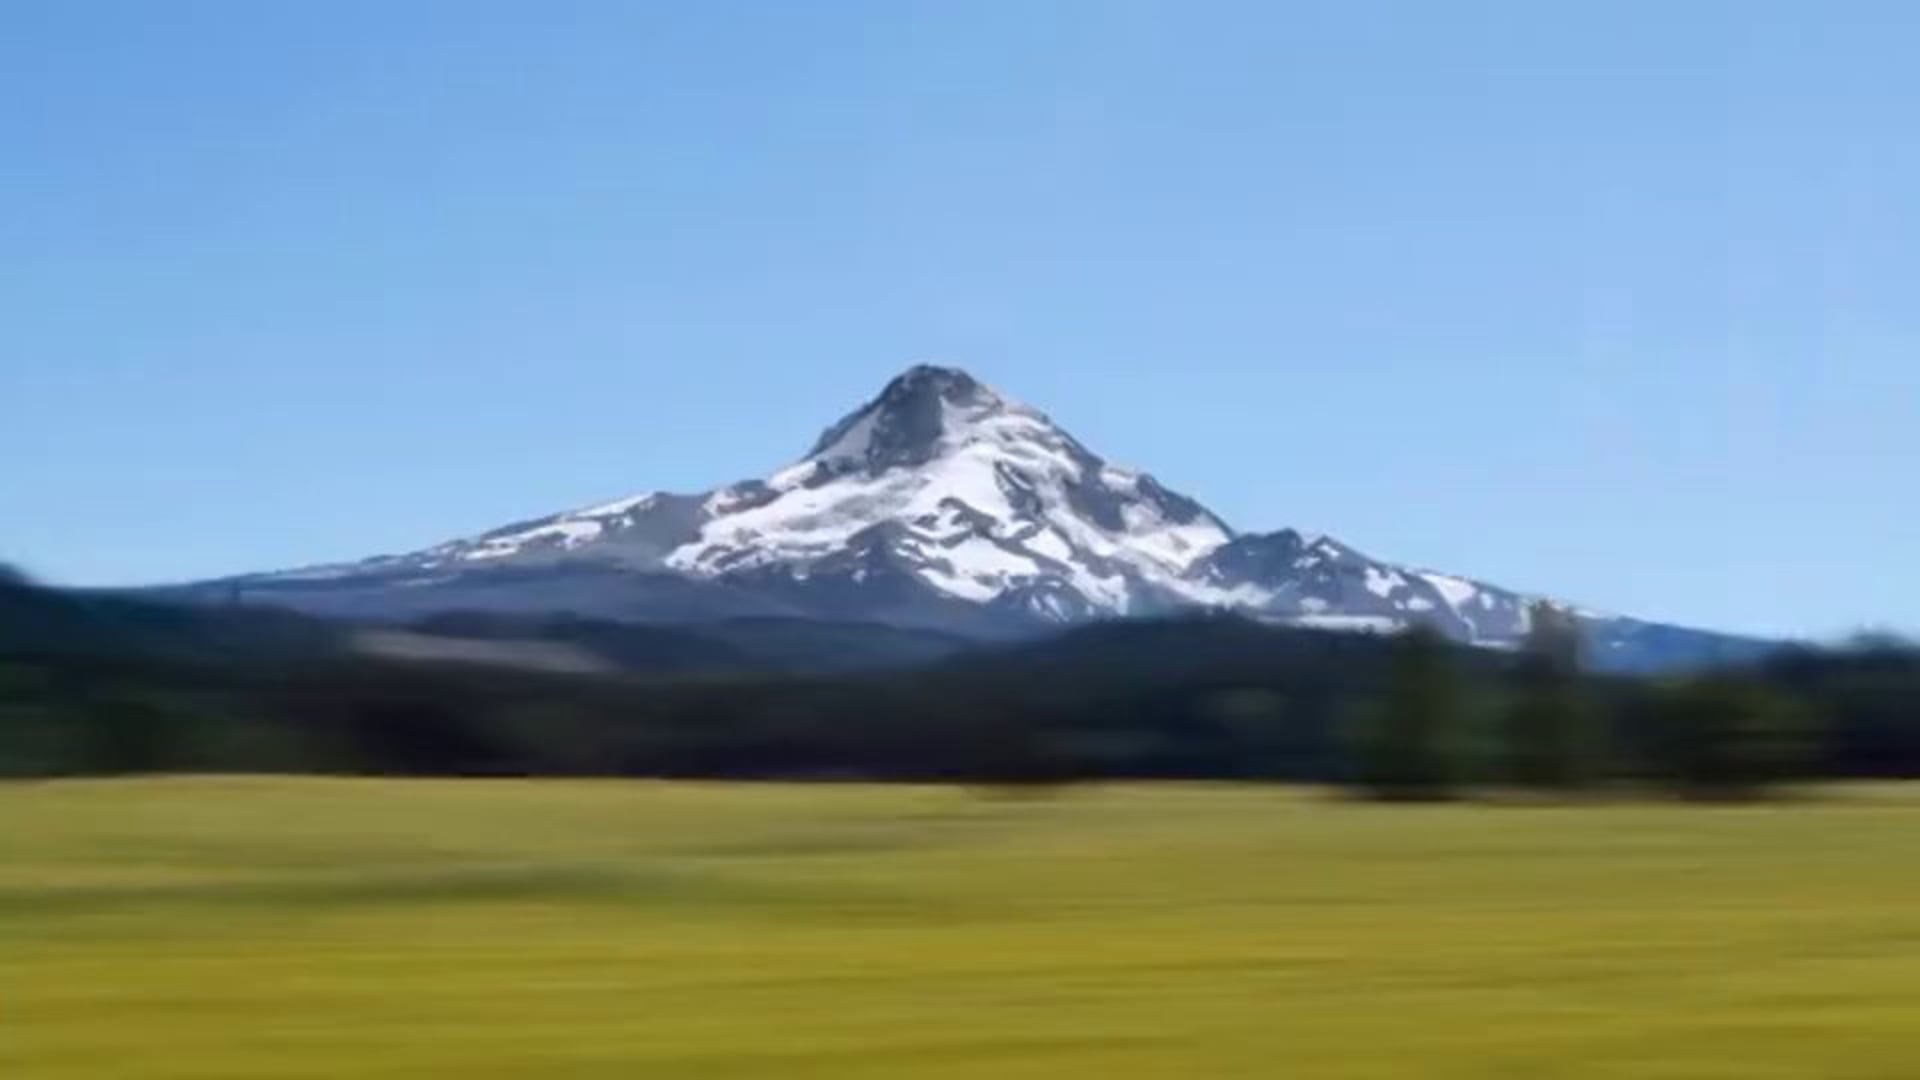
{"points": [[317, 928]]}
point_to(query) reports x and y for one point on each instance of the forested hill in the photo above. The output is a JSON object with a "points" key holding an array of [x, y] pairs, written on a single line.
{"points": [[93, 683]]}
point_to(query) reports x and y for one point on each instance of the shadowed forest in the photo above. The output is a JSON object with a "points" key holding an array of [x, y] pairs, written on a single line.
{"points": [[97, 684]]}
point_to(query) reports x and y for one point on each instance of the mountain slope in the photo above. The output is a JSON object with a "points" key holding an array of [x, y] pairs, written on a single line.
{"points": [[940, 503]]}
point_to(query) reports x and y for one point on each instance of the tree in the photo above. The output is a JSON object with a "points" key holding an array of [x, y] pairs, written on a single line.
{"points": [[128, 731], [1721, 737], [1554, 646], [1550, 739], [1006, 752], [1249, 727], [1408, 748]]}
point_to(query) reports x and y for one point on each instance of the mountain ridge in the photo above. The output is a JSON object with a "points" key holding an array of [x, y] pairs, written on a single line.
{"points": [[940, 503]]}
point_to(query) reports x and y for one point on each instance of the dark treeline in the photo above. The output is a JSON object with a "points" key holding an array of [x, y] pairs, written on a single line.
{"points": [[92, 685]]}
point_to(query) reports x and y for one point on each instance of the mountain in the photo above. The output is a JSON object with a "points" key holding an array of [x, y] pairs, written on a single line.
{"points": [[36, 621], [939, 504]]}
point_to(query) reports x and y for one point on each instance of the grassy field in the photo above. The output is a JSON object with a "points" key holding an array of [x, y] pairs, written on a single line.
{"points": [[314, 928]]}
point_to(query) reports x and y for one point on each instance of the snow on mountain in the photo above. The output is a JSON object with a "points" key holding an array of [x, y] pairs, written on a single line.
{"points": [[939, 502], [1319, 581], [979, 497], [987, 495]]}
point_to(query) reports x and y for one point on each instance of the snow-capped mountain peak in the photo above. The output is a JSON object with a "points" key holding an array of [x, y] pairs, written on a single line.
{"points": [[939, 480], [940, 501], [982, 498], [918, 411]]}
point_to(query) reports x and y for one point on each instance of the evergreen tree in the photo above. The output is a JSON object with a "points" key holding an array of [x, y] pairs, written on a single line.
{"points": [[1720, 737], [1550, 737], [1409, 747]]}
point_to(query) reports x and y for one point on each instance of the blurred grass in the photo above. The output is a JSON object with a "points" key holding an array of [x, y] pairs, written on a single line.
{"points": [[331, 928]]}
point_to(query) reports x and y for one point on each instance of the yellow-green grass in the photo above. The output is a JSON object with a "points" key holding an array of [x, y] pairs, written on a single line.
{"points": [[333, 928]]}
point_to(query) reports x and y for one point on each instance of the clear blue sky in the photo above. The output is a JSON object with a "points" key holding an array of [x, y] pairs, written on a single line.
{"points": [[1619, 301]]}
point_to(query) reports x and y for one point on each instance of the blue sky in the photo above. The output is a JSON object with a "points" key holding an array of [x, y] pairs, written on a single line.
{"points": [[1619, 301]]}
